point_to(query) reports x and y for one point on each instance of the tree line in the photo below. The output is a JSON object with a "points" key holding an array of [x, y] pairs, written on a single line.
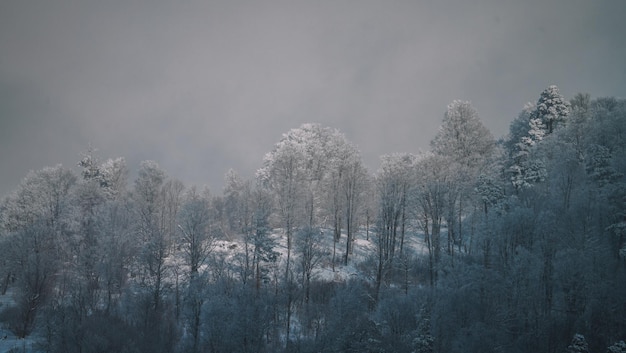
{"points": [[521, 245]]}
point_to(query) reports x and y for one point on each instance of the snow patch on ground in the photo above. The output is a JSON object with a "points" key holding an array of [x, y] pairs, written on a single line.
{"points": [[363, 249], [7, 300], [8, 341]]}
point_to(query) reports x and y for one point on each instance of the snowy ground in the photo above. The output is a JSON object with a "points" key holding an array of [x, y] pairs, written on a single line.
{"points": [[8, 341], [362, 250]]}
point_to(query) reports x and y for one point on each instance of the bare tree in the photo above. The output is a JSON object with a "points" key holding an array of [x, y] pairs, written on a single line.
{"points": [[311, 253], [194, 225]]}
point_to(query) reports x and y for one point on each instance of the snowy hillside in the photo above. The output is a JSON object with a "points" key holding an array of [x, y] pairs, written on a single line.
{"points": [[8, 341], [363, 251]]}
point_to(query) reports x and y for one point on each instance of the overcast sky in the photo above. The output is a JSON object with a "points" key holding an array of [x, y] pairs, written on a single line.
{"points": [[204, 86]]}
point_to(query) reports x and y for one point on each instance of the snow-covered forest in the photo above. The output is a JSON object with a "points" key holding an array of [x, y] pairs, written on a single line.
{"points": [[480, 244]]}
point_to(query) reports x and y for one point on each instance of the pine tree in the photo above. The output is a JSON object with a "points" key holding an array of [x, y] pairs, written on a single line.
{"points": [[618, 347], [552, 108], [527, 170], [578, 345]]}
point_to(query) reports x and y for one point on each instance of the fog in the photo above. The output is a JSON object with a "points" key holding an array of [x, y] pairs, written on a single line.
{"points": [[201, 87]]}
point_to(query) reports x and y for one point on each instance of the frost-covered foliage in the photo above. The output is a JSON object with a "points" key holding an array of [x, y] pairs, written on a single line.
{"points": [[578, 345], [480, 246], [41, 196], [531, 127], [618, 347], [395, 182], [552, 108], [462, 135], [598, 165], [110, 175], [315, 175], [194, 224], [491, 192], [527, 131], [535, 134]]}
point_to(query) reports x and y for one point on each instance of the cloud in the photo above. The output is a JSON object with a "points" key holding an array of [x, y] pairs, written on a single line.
{"points": [[202, 86]]}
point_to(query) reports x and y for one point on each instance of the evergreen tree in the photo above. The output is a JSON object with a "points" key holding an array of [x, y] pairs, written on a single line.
{"points": [[552, 108], [578, 345], [618, 347]]}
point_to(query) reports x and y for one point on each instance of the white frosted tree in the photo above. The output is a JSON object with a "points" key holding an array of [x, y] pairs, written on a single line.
{"points": [[528, 168], [311, 253], [315, 173], [285, 175], [194, 224], [526, 133], [536, 133], [354, 188], [235, 205], [598, 165], [462, 135], [37, 220], [305, 172], [146, 193], [42, 195], [578, 345], [489, 190], [342, 184], [154, 242], [431, 193], [618, 347], [35, 263], [262, 242], [466, 146], [394, 182], [114, 177], [552, 108], [282, 175], [577, 122], [89, 162]]}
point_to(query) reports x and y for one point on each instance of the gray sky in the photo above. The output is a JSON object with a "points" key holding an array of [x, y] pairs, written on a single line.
{"points": [[204, 86]]}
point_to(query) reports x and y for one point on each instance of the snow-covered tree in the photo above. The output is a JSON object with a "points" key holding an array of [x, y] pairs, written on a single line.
{"points": [[311, 252], [114, 177], [155, 247], [354, 188], [90, 164], [37, 221], [467, 146], [283, 174], [431, 193], [147, 191], [552, 108], [598, 165], [536, 133], [578, 345], [526, 132], [194, 224], [578, 120], [234, 203], [42, 195], [489, 190], [314, 173], [343, 186], [394, 182], [462, 136], [618, 347], [259, 235]]}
